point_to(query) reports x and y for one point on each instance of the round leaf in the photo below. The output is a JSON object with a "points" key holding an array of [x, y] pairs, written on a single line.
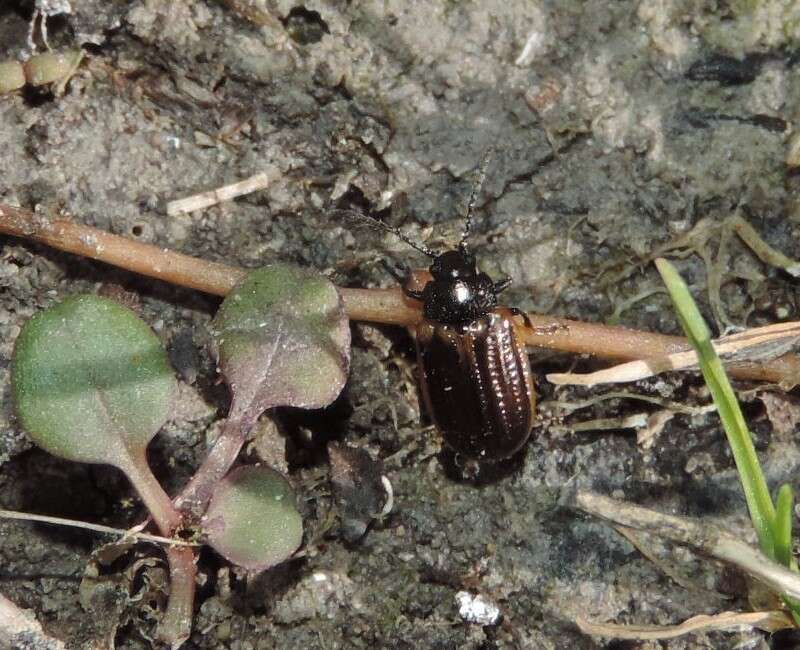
{"points": [[253, 520], [282, 339], [91, 381]]}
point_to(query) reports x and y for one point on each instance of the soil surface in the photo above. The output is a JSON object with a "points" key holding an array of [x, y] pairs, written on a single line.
{"points": [[617, 128]]}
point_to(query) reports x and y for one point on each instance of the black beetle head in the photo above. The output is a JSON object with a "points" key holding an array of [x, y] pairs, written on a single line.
{"points": [[458, 293], [454, 264]]}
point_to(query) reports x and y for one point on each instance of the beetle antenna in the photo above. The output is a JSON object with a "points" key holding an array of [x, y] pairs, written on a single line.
{"points": [[473, 199], [377, 223]]}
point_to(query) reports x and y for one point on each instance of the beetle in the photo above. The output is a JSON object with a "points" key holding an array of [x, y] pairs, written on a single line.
{"points": [[474, 373]]}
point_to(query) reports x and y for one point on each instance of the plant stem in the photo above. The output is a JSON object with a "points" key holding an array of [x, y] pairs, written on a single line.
{"points": [[388, 306], [126, 253], [159, 505], [176, 624], [194, 498]]}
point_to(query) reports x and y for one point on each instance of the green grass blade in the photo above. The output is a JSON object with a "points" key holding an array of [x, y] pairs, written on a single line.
{"points": [[759, 502], [784, 507]]}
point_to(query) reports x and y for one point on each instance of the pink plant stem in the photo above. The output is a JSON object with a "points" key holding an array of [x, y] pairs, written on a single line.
{"points": [[194, 498], [176, 624], [125, 253], [164, 514]]}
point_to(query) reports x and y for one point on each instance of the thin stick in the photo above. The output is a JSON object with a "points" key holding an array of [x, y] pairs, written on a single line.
{"points": [[225, 193], [98, 528], [388, 306], [765, 253], [769, 621]]}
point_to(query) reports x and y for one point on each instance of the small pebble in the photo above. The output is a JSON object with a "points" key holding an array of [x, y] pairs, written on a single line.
{"points": [[474, 608]]}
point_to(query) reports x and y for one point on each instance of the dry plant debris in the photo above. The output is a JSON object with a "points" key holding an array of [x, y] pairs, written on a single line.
{"points": [[708, 540]]}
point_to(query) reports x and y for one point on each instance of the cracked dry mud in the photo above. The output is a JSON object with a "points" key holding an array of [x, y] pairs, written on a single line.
{"points": [[605, 150]]}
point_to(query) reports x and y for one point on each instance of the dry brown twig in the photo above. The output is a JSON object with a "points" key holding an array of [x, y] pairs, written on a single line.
{"points": [[704, 537], [388, 306]]}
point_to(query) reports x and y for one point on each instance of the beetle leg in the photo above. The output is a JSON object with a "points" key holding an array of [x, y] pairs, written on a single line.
{"points": [[519, 312], [541, 330], [502, 285], [402, 274]]}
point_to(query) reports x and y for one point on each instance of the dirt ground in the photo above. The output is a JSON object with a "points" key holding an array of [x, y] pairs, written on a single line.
{"points": [[617, 128]]}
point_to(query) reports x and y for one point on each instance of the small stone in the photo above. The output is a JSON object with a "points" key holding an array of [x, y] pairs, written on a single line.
{"points": [[474, 608]]}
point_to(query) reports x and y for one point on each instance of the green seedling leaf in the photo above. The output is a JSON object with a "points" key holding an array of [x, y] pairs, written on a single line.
{"points": [[91, 382], [282, 339], [252, 519]]}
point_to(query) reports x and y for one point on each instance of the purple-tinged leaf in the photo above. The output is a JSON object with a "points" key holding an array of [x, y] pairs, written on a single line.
{"points": [[252, 519], [282, 339]]}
